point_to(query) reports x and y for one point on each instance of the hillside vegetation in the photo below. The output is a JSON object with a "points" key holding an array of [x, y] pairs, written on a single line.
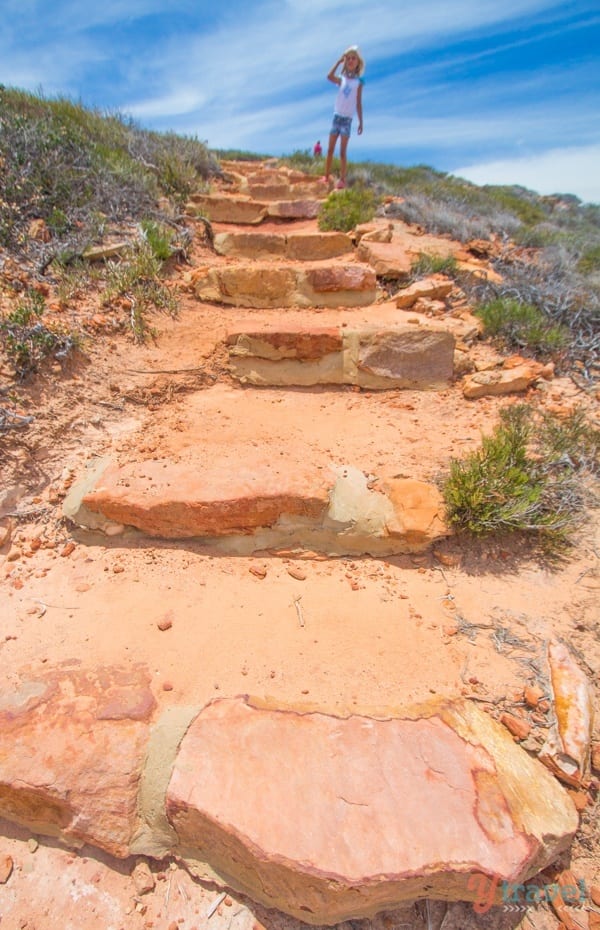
{"points": [[72, 177]]}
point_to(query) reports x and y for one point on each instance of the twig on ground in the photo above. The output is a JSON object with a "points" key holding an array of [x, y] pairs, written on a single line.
{"points": [[163, 371], [298, 607], [10, 420], [218, 900]]}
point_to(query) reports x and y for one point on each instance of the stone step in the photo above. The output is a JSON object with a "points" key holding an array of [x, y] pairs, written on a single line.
{"points": [[265, 285], [358, 815], [435, 801], [244, 211], [283, 189], [370, 356], [296, 246], [253, 501]]}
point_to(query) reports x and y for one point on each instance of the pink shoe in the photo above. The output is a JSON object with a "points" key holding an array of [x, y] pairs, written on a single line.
{"points": [[340, 185]]}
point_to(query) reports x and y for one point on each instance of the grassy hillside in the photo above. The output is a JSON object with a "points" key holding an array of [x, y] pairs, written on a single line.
{"points": [[78, 170]]}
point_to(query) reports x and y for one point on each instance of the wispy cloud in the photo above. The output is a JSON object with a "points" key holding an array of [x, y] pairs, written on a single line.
{"points": [[550, 172]]}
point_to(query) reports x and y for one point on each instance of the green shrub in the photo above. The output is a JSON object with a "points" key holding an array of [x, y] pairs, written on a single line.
{"points": [[521, 325], [66, 164], [159, 237], [27, 341], [137, 278], [525, 478], [590, 260], [344, 210], [427, 264]]}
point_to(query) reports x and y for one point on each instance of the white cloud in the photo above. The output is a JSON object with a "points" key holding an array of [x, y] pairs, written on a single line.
{"points": [[561, 170], [175, 103]]}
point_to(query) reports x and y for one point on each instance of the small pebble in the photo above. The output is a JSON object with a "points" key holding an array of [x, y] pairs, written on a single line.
{"points": [[167, 686], [297, 573], [519, 728], [6, 867], [533, 695], [166, 622], [143, 879]]}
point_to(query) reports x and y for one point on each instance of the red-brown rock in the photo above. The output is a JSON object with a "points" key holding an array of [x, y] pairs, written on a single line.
{"points": [[435, 287], [178, 500], [287, 342], [567, 749], [72, 746], [342, 278], [330, 819]]}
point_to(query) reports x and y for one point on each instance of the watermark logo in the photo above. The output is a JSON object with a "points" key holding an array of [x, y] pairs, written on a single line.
{"points": [[511, 896]]}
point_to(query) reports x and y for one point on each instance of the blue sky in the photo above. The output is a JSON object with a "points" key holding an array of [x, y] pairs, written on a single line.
{"points": [[498, 92]]}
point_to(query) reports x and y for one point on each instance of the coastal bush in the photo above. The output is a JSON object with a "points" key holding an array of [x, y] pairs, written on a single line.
{"points": [[526, 477], [26, 340], [521, 326], [344, 210]]}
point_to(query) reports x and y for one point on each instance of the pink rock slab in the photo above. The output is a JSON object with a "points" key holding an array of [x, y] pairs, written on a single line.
{"points": [[72, 746], [330, 819]]}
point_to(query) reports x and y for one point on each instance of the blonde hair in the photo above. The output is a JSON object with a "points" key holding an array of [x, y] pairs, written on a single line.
{"points": [[354, 50]]}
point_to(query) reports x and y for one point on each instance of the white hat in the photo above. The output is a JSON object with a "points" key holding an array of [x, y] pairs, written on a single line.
{"points": [[356, 51]]}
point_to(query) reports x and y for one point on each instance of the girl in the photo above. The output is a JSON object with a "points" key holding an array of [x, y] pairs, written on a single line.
{"points": [[348, 102]]}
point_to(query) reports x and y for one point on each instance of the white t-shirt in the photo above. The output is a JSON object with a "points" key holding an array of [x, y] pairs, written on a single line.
{"points": [[345, 102]]}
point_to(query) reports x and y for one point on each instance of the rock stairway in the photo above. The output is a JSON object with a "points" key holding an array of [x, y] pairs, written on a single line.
{"points": [[325, 816], [333, 507]]}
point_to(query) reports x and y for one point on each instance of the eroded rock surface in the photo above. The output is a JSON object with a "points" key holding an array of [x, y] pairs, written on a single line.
{"points": [[419, 357], [72, 746], [351, 816], [266, 286], [262, 503]]}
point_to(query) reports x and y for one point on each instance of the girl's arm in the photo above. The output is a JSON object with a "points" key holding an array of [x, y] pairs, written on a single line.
{"points": [[359, 111], [332, 76]]}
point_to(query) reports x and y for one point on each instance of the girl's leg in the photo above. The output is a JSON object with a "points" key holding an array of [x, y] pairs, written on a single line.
{"points": [[343, 148], [331, 149]]}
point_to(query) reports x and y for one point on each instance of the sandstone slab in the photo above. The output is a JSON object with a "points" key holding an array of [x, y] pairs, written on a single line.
{"points": [[409, 357], [293, 246], [256, 500], [353, 816], [387, 258], [269, 190], [567, 749], [201, 498], [286, 342], [294, 209], [501, 381], [263, 285], [221, 208], [250, 244], [404, 357], [435, 287], [317, 246], [419, 510], [72, 747]]}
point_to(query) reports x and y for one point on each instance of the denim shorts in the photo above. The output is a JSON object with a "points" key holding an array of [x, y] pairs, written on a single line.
{"points": [[341, 125]]}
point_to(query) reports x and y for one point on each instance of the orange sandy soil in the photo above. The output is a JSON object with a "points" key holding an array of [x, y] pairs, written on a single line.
{"points": [[344, 634]]}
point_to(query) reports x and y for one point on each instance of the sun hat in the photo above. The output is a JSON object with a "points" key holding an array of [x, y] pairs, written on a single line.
{"points": [[361, 62]]}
